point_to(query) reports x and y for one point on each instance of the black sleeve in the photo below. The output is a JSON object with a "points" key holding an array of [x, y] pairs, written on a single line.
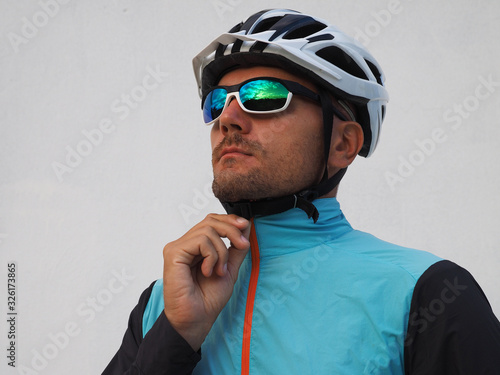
{"points": [[162, 351], [452, 328]]}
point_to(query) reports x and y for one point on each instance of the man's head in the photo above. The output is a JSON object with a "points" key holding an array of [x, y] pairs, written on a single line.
{"points": [[287, 152]]}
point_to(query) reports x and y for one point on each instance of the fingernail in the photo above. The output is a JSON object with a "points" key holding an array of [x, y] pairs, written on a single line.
{"points": [[224, 268], [242, 220], [244, 239]]}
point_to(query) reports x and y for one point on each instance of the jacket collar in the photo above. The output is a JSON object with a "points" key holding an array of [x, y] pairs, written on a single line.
{"points": [[292, 231]]}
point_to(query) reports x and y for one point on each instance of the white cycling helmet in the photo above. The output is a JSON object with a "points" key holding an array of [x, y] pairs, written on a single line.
{"points": [[309, 47]]}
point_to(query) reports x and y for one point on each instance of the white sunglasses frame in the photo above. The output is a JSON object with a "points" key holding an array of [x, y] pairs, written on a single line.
{"points": [[234, 92]]}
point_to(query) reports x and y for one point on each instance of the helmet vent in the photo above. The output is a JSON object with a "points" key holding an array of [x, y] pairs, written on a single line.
{"points": [[375, 71], [220, 50], [266, 24], [319, 38], [258, 47], [237, 46], [342, 60], [304, 31]]}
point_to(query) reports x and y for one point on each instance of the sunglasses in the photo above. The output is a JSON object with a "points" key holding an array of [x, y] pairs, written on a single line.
{"points": [[257, 95]]}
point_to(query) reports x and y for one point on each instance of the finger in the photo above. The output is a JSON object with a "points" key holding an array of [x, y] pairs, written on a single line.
{"points": [[246, 230], [240, 222], [237, 255], [214, 230], [233, 220], [233, 228], [204, 240], [204, 246], [213, 250], [239, 239], [209, 253], [222, 251]]}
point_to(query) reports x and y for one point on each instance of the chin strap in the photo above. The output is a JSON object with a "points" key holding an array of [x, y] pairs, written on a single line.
{"points": [[303, 199], [271, 206]]}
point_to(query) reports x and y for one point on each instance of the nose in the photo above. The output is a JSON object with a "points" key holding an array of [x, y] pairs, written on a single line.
{"points": [[234, 118]]}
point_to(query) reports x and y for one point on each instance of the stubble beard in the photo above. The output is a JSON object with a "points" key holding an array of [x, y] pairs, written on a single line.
{"points": [[257, 183], [229, 186]]}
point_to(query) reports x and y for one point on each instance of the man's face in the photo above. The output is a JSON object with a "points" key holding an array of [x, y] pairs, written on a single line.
{"points": [[257, 156]]}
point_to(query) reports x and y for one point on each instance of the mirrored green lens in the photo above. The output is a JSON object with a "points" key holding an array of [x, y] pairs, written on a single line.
{"points": [[213, 105], [263, 95]]}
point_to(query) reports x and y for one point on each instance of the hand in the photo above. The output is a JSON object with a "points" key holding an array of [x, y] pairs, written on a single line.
{"points": [[200, 272]]}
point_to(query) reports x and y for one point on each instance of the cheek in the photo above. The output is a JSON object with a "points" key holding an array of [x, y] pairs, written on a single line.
{"points": [[275, 129], [278, 125], [293, 134]]}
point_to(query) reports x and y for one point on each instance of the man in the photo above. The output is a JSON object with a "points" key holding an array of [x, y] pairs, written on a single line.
{"points": [[292, 101]]}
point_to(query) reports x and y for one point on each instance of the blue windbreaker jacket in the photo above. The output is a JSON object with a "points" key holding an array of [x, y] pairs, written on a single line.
{"points": [[328, 299]]}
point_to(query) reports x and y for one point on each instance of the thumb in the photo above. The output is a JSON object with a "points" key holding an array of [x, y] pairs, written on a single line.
{"points": [[236, 256]]}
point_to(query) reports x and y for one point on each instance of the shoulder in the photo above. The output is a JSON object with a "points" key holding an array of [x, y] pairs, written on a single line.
{"points": [[397, 258], [447, 286], [451, 324]]}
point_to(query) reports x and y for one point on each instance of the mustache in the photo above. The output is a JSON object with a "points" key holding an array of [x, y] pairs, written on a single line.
{"points": [[252, 147]]}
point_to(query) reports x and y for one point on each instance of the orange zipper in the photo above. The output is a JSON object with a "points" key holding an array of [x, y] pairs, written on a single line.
{"points": [[252, 288]]}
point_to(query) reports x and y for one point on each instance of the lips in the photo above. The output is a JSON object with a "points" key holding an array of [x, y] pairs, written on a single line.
{"points": [[235, 145], [233, 150]]}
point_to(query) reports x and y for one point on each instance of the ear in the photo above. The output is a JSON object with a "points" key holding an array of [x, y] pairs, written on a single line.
{"points": [[347, 140]]}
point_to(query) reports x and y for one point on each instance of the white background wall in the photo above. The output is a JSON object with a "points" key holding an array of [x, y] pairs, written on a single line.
{"points": [[68, 67]]}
